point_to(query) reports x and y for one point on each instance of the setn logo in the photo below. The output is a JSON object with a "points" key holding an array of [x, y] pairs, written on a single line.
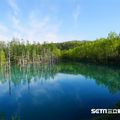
{"points": [[105, 111]]}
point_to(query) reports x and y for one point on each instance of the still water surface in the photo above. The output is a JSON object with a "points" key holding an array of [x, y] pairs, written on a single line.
{"points": [[59, 92]]}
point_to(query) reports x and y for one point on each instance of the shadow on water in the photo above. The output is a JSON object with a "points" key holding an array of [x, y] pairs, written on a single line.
{"points": [[63, 91]]}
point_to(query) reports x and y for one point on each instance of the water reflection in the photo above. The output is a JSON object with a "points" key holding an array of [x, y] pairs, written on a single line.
{"points": [[106, 76], [25, 75], [64, 91]]}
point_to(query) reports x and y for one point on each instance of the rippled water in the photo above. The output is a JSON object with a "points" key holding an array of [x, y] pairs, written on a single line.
{"points": [[58, 92]]}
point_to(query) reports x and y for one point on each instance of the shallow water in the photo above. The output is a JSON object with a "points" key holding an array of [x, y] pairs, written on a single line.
{"points": [[66, 91]]}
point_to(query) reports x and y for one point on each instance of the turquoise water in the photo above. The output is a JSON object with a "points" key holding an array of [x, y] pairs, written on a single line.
{"points": [[58, 92]]}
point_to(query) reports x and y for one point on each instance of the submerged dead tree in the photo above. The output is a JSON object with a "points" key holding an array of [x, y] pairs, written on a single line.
{"points": [[23, 53]]}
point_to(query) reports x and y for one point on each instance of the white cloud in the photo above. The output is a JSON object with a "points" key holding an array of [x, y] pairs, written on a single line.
{"points": [[39, 29], [76, 13], [14, 6], [4, 32], [34, 28]]}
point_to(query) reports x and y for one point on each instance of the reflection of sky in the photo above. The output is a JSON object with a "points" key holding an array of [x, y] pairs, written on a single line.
{"points": [[65, 94], [39, 93], [38, 87]]}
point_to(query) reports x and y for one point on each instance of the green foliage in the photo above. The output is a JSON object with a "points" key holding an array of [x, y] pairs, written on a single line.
{"points": [[18, 52], [2, 57], [112, 35], [68, 45], [103, 50]]}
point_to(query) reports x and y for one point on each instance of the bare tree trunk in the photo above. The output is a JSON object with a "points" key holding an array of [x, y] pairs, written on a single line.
{"points": [[9, 62]]}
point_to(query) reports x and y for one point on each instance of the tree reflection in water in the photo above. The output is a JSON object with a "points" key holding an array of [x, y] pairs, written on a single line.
{"points": [[16, 75]]}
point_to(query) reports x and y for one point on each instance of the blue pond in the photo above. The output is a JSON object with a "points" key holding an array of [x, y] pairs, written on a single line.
{"points": [[65, 91]]}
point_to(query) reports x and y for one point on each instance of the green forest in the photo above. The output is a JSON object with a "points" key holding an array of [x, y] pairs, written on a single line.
{"points": [[102, 51]]}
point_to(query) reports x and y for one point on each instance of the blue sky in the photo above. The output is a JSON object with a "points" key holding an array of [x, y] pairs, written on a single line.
{"points": [[58, 20]]}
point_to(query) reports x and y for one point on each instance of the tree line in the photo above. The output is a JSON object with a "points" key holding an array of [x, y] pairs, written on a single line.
{"points": [[102, 50], [18, 52]]}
